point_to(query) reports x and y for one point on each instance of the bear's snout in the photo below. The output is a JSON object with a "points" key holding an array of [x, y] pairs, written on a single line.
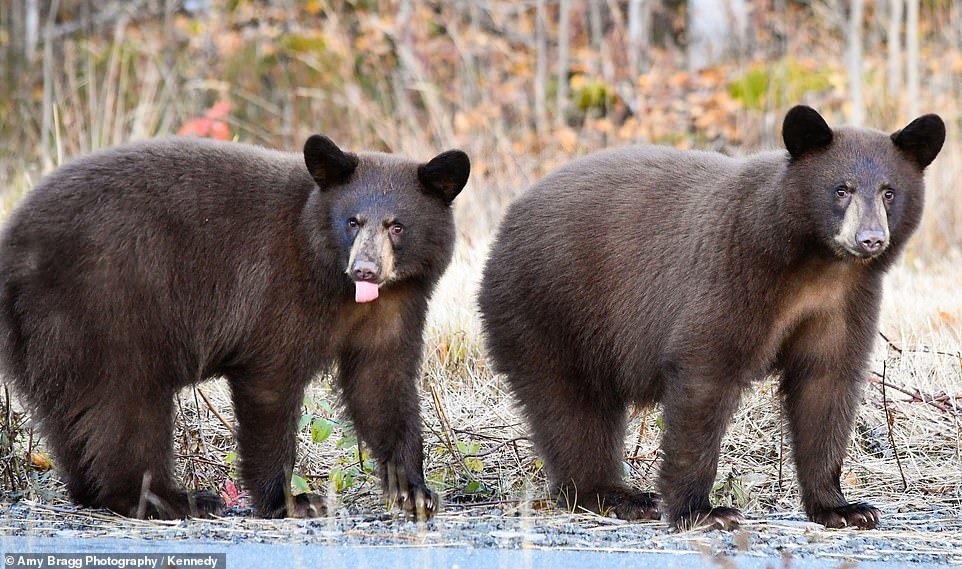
{"points": [[365, 271], [871, 241]]}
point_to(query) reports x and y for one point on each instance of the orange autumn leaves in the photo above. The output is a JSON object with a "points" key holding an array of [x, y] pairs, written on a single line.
{"points": [[213, 123]]}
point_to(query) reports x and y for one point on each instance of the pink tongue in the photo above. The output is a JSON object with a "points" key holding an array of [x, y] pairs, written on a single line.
{"points": [[365, 291]]}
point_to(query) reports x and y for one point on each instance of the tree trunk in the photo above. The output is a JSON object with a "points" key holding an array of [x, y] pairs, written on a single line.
{"points": [[31, 30], [541, 70], [854, 61], [716, 28], [894, 70], [639, 12], [564, 39], [596, 30], [912, 65]]}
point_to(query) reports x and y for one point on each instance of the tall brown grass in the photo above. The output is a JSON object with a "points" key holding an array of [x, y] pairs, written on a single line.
{"points": [[433, 75]]}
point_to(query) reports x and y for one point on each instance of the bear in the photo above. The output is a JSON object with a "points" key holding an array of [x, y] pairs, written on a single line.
{"points": [[131, 273], [646, 274]]}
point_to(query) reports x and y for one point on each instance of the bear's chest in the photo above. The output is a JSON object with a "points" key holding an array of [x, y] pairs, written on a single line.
{"points": [[375, 324], [815, 298]]}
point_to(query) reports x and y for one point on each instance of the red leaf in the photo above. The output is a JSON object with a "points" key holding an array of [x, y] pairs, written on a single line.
{"points": [[211, 125], [232, 495], [219, 110]]}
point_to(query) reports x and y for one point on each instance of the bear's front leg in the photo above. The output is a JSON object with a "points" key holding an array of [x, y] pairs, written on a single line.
{"points": [[267, 405], [822, 379], [378, 385]]}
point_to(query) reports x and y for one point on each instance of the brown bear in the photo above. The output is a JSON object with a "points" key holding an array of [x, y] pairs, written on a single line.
{"points": [[650, 275], [131, 273]]}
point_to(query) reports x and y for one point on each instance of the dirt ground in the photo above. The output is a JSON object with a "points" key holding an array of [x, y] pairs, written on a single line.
{"points": [[928, 536]]}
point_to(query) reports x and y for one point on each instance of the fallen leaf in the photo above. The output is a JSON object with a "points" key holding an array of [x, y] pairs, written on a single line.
{"points": [[40, 461]]}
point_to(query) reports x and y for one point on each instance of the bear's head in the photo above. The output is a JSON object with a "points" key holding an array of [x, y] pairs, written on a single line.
{"points": [[861, 190], [381, 218]]}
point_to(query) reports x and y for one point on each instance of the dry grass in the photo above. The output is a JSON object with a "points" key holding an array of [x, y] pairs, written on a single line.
{"points": [[463, 402], [475, 95], [478, 451]]}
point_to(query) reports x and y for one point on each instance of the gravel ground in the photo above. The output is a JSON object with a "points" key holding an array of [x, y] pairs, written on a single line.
{"points": [[917, 537]]}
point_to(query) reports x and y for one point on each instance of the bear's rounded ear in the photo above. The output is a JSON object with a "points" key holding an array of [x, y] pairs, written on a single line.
{"points": [[446, 174], [327, 163], [922, 139], [804, 130]]}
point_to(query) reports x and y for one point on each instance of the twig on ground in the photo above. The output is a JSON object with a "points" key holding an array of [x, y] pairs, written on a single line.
{"points": [[890, 343], [447, 431], [216, 413], [201, 459], [916, 395], [781, 451], [445, 425], [200, 424], [924, 350], [475, 434], [889, 420], [186, 436], [641, 432], [498, 446]]}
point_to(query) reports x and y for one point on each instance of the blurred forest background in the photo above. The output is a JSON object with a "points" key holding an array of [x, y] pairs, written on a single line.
{"points": [[522, 86]]}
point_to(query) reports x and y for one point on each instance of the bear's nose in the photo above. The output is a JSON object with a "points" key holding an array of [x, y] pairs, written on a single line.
{"points": [[365, 271], [871, 240]]}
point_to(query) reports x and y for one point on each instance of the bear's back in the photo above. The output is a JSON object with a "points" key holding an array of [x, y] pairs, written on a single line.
{"points": [[626, 207], [608, 248], [171, 177], [633, 196], [164, 195], [187, 235]]}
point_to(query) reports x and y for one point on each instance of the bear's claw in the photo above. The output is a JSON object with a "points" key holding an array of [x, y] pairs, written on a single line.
{"points": [[859, 515]]}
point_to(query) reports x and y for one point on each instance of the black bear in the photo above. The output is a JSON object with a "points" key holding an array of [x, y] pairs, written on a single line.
{"points": [[646, 274], [133, 272]]}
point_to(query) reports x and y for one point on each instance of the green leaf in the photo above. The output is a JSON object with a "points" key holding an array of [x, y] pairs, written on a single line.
{"points": [[348, 440], [305, 419], [231, 457], [336, 475], [468, 449], [342, 479], [299, 485], [321, 429], [369, 465], [660, 422], [473, 464]]}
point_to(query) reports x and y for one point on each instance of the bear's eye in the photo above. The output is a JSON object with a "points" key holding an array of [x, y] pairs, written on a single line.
{"points": [[352, 223], [889, 195], [396, 228], [841, 191]]}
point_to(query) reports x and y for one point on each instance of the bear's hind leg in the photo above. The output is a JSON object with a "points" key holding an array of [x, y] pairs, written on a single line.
{"points": [[698, 406], [580, 435], [128, 447], [68, 451]]}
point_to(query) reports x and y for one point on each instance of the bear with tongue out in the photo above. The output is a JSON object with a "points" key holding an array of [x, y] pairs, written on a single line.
{"points": [[132, 273]]}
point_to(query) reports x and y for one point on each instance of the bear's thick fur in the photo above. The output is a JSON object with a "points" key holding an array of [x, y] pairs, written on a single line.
{"points": [[646, 274], [131, 273]]}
